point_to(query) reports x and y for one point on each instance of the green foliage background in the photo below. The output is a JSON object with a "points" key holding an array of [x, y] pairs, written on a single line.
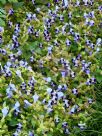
{"points": [[94, 121]]}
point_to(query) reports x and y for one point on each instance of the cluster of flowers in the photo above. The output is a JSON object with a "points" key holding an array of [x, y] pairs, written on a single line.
{"points": [[54, 86]]}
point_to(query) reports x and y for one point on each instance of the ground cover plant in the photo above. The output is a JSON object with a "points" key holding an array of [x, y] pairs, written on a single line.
{"points": [[50, 67]]}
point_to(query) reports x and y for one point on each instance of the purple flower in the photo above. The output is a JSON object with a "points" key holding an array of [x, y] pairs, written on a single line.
{"points": [[27, 104], [87, 71], [90, 101], [49, 110], [31, 59], [31, 133], [88, 42], [50, 50], [61, 17], [17, 105], [71, 31], [88, 82], [66, 103], [63, 73], [1, 39], [82, 126], [57, 120], [87, 21], [65, 3], [75, 91], [64, 124], [14, 38], [5, 111], [91, 14], [68, 42], [56, 1], [9, 93], [30, 30], [70, 15], [77, 3], [17, 29], [49, 90], [91, 23], [1, 29], [19, 125], [72, 74], [98, 42], [16, 134], [35, 97], [85, 2], [48, 5], [74, 109], [60, 95], [64, 87], [11, 12], [100, 8], [85, 15], [29, 16], [57, 30], [33, 1], [93, 80], [79, 56], [23, 86], [34, 17], [38, 10]]}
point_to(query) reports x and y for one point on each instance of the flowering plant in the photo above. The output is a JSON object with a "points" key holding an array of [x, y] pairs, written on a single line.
{"points": [[48, 56]]}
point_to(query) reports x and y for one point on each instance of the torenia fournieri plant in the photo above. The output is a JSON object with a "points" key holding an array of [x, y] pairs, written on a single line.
{"points": [[47, 62]]}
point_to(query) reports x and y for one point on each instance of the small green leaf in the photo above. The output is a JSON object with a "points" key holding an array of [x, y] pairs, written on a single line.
{"points": [[2, 11], [2, 15], [2, 22], [18, 5], [12, 1], [3, 1], [13, 122], [99, 78]]}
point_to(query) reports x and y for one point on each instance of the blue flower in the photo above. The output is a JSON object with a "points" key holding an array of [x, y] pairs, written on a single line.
{"points": [[17, 105], [33, 1], [11, 12], [68, 42], [49, 90], [35, 97], [5, 111], [91, 14], [63, 73], [27, 104], [31, 133], [65, 3], [82, 126], [91, 23], [75, 91], [100, 8], [18, 72], [1, 29], [85, 2]]}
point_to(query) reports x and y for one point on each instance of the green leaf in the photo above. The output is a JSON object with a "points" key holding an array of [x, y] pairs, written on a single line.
{"points": [[13, 122], [33, 123], [3, 1], [2, 15], [2, 11], [12, 1], [99, 78], [33, 45], [2, 22], [17, 5], [98, 75]]}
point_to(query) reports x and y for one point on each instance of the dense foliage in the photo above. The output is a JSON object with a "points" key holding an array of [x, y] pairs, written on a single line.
{"points": [[50, 67]]}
